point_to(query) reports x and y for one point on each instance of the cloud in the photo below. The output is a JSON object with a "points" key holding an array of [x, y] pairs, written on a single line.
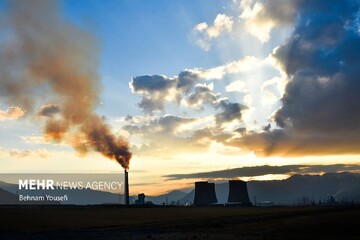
{"points": [[166, 123], [167, 133], [12, 113], [264, 15], [261, 16], [312, 96], [155, 90], [48, 110], [275, 85], [158, 89], [269, 98], [191, 89], [257, 17], [155, 83], [322, 96], [205, 33], [203, 94], [264, 170], [231, 111], [187, 86], [19, 153], [320, 111], [236, 86], [243, 65], [34, 139], [286, 143], [259, 84]]}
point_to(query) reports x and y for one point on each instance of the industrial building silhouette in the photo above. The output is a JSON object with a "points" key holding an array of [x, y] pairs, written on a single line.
{"points": [[140, 200], [126, 188], [238, 192], [205, 193]]}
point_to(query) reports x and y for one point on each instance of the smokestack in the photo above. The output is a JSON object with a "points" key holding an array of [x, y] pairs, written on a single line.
{"points": [[126, 190], [238, 192], [46, 52], [204, 193]]}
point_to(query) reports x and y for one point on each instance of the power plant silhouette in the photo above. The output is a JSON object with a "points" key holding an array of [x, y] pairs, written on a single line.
{"points": [[238, 192], [126, 188], [205, 193]]}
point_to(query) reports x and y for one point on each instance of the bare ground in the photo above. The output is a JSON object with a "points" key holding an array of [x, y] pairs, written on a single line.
{"points": [[116, 222]]}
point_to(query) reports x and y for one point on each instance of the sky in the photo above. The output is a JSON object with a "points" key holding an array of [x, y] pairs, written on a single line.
{"points": [[194, 90]]}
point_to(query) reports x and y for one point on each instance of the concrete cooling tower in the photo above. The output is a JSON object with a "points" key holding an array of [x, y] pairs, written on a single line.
{"points": [[204, 193], [238, 192]]}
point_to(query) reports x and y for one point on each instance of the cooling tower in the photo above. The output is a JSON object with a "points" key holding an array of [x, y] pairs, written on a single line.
{"points": [[126, 188], [204, 193], [238, 192]]}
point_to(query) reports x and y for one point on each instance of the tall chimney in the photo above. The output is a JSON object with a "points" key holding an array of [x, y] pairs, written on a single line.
{"points": [[126, 188]]}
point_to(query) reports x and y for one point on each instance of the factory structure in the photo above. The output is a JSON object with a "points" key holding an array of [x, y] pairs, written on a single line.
{"points": [[126, 188], [238, 193], [205, 193]]}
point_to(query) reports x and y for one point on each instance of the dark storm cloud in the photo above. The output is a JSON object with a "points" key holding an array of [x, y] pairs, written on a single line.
{"points": [[322, 61], [321, 104], [264, 170]]}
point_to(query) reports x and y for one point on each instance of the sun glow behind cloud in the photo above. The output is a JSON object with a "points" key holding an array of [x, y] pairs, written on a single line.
{"points": [[272, 97], [259, 83]]}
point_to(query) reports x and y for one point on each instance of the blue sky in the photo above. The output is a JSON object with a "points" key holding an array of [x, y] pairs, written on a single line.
{"points": [[143, 37]]}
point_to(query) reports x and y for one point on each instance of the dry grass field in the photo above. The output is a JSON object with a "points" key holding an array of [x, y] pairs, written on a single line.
{"points": [[115, 222]]}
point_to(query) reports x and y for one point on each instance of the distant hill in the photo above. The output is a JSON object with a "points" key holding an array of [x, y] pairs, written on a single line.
{"points": [[315, 187], [7, 197]]}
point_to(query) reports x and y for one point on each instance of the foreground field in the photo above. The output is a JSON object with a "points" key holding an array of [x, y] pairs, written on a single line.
{"points": [[113, 222]]}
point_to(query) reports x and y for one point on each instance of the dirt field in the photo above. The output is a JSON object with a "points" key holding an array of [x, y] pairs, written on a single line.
{"points": [[114, 222]]}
